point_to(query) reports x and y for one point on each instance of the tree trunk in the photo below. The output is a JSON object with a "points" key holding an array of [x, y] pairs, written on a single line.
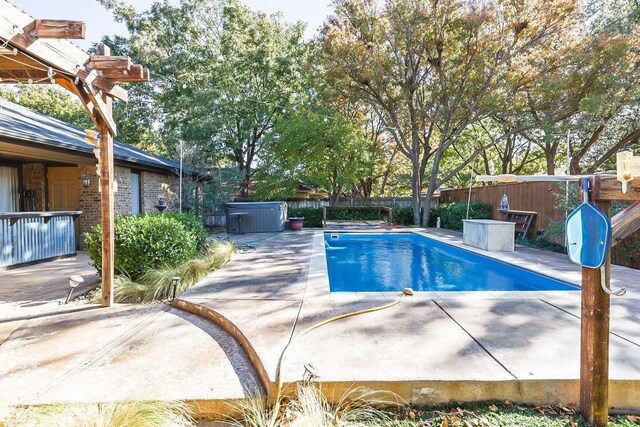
{"points": [[551, 162], [415, 190], [432, 186], [245, 172]]}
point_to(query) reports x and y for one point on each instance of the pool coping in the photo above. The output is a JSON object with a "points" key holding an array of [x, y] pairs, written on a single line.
{"points": [[318, 287]]}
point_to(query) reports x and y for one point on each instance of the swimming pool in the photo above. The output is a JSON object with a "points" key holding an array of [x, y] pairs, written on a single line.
{"points": [[389, 262]]}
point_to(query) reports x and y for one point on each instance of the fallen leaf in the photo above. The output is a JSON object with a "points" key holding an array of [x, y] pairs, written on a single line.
{"points": [[566, 410], [571, 406], [444, 423], [572, 423], [633, 418], [411, 415], [493, 408], [507, 403]]}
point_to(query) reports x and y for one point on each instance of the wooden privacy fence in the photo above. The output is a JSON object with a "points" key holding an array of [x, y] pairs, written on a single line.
{"points": [[539, 197], [353, 201], [542, 198]]}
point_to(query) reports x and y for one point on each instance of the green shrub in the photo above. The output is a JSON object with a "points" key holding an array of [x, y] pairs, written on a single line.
{"points": [[312, 216], [403, 215], [345, 213], [452, 214], [143, 242], [191, 223], [156, 284], [541, 242]]}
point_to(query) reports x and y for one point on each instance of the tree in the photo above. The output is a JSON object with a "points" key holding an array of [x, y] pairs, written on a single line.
{"points": [[432, 69], [223, 75], [317, 144], [51, 101], [592, 87]]}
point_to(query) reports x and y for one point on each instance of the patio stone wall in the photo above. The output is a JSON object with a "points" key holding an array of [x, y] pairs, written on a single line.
{"points": [[33, 179]]}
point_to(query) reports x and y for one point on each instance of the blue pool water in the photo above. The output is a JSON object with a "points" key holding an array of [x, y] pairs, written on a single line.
{"points": [[390, 262]]}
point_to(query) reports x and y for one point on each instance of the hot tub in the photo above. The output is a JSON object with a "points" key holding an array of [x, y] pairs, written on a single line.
{"points": [[255, 217]]}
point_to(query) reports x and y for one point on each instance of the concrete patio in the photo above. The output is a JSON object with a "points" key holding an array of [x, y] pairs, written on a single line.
{"points": [[432, 347], [85, 353]]}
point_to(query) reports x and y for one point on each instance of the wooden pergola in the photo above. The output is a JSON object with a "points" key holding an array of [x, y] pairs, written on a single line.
{"points": [[37, 51]]}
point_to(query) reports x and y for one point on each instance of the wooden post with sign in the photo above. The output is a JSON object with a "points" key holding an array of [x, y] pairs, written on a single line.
{"points": [[594, 340], [595, 306]]}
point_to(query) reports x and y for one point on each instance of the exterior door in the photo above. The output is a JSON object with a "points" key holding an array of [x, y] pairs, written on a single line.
{"points": [[64, 192], [63, 189]]}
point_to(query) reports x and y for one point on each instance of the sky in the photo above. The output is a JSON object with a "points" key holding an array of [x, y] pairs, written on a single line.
{"points": [[100, 21]]}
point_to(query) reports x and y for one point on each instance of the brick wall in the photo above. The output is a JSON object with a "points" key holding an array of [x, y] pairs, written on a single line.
{"points": [[89, 199], [122, 176], [154, 186], [33, 179]]}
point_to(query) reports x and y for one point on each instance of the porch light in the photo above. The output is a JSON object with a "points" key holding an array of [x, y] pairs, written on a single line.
{"points": [[504, 204], [86, 182], [74, 281], [175, 281]]}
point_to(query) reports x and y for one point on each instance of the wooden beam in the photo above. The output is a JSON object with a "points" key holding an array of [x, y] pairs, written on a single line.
{"points": [[137, 71], [8, 51], [607, 187], [101, 62], [625, 223], [68, 84], [17, 27], [594, 340], [23, 76], [103, 84], [103, 110], [107, 211], [59, 29], [107, 194], [124, 78]]}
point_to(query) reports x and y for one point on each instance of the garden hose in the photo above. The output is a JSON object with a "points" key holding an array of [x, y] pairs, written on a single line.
{"points": [[405, 292]]}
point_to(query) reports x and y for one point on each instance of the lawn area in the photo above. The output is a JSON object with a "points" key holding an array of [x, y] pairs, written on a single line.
{"points": [[500, 414]]}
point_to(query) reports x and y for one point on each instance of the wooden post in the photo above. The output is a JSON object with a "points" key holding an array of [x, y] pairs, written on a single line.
{"points": [[107, 199], [594, 341]]}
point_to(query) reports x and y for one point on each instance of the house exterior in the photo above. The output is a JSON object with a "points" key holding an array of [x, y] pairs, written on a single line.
{"points": [[48, 166]]}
